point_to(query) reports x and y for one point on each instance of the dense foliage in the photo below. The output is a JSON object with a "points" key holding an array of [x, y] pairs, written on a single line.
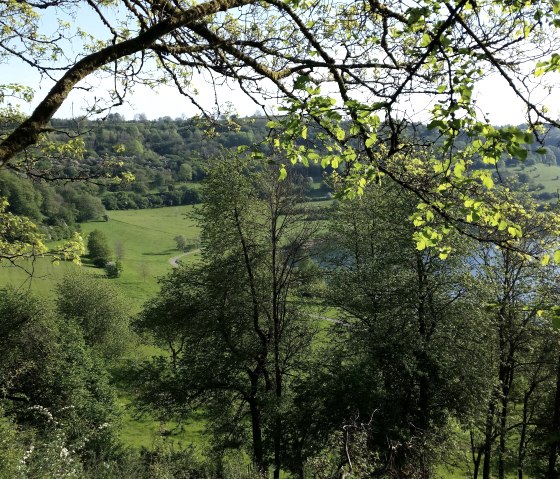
{"points": [[427, 361], [413, 331]]}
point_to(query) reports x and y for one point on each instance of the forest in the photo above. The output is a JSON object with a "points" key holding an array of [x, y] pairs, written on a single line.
{"points": [[359, 280], [312, 346]]}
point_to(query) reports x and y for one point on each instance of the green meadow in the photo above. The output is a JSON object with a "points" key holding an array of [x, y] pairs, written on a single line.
{"points": [[546, 175], [144, 239]]}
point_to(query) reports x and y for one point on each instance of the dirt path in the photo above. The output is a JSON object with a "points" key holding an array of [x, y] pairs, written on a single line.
{"points": [[175, 260], [330, 320]]}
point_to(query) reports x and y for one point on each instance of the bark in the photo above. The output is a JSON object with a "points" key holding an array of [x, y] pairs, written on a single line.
{"points": [[476, 462], [256, 430], [488, 440], [552, 471]]}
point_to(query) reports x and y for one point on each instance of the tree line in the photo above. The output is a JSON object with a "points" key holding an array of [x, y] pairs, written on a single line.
{"points": [[423, 362], [314, 347], [167, 160]]}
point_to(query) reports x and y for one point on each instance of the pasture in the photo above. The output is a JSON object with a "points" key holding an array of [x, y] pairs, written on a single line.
{"points": [[546, 175], [144, 239]]}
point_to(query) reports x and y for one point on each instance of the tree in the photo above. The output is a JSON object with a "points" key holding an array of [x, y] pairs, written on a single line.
{"points": [[401, 361], [233, 326], [185, 172], [99, 309], [519, 295], [181, 242], [98, 248], [49, 379], [395, 53]]}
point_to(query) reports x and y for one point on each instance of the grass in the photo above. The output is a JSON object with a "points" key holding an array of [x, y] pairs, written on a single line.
{"points": [[146, 238], [143, 431], [547, 175]]}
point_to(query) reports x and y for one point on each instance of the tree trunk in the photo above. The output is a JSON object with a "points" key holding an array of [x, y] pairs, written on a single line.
{"points": [[257, 434], [552, 472], [502, 446], [522, 436], [488, 440], [475, 458]]}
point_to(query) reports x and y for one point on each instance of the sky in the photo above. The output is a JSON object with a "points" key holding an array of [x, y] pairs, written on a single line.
{"points": [[493, 95]]}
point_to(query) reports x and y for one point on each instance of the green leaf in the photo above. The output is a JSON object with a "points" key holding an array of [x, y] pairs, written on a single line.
{"points": [[283, 173], [488, 182], [340, 134], [557, 256], [514, 231], [425, 41], [371, 140], [301, 82], [521, 154], [421, 244], [459, 169]]}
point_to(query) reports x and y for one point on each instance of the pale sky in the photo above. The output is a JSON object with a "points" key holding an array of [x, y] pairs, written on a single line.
{"points": [[493, 95]]}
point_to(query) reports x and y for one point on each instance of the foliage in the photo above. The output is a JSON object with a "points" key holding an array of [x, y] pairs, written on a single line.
{"points": [[98, 248], [99, 309], [50, 382]]}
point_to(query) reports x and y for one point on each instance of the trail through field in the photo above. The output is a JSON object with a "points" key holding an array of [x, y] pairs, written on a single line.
{"points": [[174, 261], [330, 320]]}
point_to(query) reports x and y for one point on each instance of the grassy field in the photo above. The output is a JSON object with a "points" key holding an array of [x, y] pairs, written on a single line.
{"points": [[146, 240], [548, 176]]}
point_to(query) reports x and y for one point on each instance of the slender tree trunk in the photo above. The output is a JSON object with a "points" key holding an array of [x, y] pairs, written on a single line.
{"points": [[488, 440], [505, 370], [552, 472], [502, 445], [256, 430], [475, 458], [476, 463], [506, 379], [523, 436]]}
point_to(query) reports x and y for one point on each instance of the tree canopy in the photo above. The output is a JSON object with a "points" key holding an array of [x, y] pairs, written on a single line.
{"points": [[354, 69]]}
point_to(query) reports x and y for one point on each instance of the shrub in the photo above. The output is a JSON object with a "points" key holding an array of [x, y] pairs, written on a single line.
{"points": [[98, 248], [113, 269]]}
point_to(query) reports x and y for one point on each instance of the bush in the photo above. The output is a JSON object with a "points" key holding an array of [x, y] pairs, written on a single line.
{"points": [[100, 310], [98, 248], [113, 269], [191, 196]]}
